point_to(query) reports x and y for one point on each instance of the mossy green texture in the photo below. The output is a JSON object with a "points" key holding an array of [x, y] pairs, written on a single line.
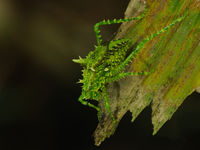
{"points": [[174, 56]]}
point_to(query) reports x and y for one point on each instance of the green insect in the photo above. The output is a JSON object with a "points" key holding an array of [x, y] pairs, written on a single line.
{"points": [[107, 64]]}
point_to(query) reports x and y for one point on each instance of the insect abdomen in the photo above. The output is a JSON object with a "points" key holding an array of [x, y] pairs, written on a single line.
{"points": [[117, 52]]}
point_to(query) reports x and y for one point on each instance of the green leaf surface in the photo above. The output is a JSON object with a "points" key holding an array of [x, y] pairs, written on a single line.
{"points": [[174, 56]]}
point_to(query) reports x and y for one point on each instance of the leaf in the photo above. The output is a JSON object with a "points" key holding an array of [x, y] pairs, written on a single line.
{"points": [[174, 55]]}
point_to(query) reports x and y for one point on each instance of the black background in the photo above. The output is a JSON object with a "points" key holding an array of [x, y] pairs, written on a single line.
{"points": [[38, 91]]}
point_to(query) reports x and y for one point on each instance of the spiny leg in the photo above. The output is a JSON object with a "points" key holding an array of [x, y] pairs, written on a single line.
{"points": [[107, 22], [141, 44], [107, 106], [124, 74], [82, 101]]}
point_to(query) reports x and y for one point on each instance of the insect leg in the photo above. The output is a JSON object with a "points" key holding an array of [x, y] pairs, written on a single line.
{"points": [[82, 101], [141, 44], [107, 106], [124, 74], [107, 22]]}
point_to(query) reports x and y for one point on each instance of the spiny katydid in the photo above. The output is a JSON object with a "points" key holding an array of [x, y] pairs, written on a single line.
{"points": [[107, 63]]}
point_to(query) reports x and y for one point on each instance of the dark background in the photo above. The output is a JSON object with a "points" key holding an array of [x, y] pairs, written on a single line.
{"points": [[38, 91]]}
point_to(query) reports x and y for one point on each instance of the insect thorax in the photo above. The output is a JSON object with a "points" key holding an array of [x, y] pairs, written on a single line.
{"points": [[100, 65]]}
